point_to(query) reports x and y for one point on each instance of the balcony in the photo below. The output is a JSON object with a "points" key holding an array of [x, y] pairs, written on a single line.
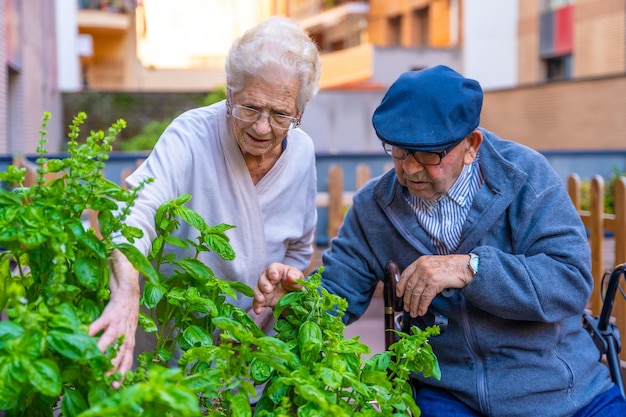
{"points": [[328, 14], [105, 16], [368, 66], [112, 6]]}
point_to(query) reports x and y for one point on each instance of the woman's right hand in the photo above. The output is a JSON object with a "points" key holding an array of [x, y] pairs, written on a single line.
{"points": [[277, 280]]}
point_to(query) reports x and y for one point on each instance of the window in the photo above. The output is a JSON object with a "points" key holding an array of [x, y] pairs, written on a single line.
{"points": [[420, 27], [395, 31], [337, 45], [558, 68], [554, 4]]}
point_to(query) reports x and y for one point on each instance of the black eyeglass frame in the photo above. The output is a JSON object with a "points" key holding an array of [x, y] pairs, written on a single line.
{"points": [[294, 121], [389, 151]]}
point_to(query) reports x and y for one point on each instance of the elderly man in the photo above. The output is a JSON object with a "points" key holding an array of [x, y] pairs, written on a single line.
{"points": [[485, 235]]}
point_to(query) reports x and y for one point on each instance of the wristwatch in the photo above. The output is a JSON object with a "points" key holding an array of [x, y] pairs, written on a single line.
{"points": [[473, 262]]}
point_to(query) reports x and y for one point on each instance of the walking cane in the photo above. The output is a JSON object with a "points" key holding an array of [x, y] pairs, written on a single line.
{"points": [[392, 304]]}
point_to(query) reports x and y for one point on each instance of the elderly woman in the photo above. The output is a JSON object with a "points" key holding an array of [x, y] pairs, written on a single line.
{"points": [[244, 161]]}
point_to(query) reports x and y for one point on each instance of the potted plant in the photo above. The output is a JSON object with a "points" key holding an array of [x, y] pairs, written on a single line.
{"points": [[54, 275]]}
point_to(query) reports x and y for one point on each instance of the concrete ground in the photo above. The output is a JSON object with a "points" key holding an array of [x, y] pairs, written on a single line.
{"points": [[370, 327]]}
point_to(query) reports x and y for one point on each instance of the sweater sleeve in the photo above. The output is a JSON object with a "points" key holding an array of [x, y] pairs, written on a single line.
{"points": [[168, 163], [535, 263]]}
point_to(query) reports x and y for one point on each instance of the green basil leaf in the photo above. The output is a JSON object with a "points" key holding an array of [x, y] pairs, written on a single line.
{"points": [[191, 217], [219, 243], [175, 241], [9, 331], [242, 288], [196, 336], [331, 377], [196, 269], [379, 361], [147, 323], [107, 222], [153, 294], [73, 402], [92, 241], [76, 346], [87, 271], [240, 405], [139, 261], [287, 299], [45, 377], [65, 317]]}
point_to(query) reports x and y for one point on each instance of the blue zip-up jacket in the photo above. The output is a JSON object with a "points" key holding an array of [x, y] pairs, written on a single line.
{"points": [[514, 344]]}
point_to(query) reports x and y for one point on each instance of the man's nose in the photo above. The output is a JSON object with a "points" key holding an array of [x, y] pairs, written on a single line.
{"points": [[410, 164]]}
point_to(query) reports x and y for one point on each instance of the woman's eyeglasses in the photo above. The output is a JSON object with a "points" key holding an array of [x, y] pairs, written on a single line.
{"points": [[251, 115]]}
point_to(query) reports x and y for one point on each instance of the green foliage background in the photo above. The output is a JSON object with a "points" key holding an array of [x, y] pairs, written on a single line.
{"points": [[609, 187], [146, 114]]}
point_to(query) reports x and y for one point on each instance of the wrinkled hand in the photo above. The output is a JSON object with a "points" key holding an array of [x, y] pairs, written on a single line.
{"points": [[421, 281], [120, 316], [277, 280]]}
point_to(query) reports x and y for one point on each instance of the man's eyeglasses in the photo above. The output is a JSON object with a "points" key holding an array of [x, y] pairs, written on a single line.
{"points": [[422, 157], [251, 115]]}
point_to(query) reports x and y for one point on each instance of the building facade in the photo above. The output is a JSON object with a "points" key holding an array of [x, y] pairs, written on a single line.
{"points": [[514, 48], [28, 85], [552, 70], [159, 45], [571, 39], [570, 90]]}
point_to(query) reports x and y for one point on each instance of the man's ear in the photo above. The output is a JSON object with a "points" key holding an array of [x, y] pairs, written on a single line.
{"points": [[474, 140]]}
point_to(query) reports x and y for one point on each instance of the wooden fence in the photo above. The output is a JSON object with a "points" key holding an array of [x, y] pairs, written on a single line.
{"points": [[600, 225]]}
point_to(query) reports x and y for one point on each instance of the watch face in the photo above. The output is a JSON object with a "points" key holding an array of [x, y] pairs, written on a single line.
{"points": [[473, 262]]}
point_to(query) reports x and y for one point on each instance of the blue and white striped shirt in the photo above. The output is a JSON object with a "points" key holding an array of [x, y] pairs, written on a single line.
{"points": [[443, 218]]}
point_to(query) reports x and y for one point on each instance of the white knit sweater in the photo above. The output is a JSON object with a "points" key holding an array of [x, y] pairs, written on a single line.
{"points": [[275, 219]]}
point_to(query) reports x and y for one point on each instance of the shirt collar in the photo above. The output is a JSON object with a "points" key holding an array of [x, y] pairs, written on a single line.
{"points": [[456, 193]]}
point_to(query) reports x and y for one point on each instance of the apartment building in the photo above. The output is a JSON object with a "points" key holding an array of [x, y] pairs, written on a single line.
{"points": [[510, 46], [371, 42], [571, 89], [147, 45], [28, 83], [366, 45], [571, 39], [160, 45]]}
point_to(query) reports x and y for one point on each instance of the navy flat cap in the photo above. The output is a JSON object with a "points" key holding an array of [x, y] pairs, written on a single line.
{"points": [[428, 110]]}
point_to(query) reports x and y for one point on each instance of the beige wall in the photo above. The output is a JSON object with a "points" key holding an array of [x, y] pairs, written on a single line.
{"points": [[579, 115], [599, 36], [599, 33], [574, 115], [528, 42]]}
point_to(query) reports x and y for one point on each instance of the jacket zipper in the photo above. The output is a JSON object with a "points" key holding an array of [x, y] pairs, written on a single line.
{"points": [[480, 364]]}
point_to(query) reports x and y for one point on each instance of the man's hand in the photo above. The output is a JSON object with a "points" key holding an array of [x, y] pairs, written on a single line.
{"points": [[120, 316], [277, 280], [421, 281]]}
